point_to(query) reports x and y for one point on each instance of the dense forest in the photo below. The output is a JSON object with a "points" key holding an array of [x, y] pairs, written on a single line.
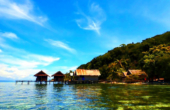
{"points": [[151, 55]]}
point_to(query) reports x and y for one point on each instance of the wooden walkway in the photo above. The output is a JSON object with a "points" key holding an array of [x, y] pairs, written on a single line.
{"points": [[55, 82]]}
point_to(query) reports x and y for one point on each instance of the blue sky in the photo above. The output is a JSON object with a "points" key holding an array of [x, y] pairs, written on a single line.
{"points": [[60, 35]]}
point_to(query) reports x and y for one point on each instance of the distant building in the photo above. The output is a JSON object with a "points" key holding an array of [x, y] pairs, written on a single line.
{"points": [[58, 76], [41, 76], [87, 75], [156, 79], [140, 73], [124, 76]]}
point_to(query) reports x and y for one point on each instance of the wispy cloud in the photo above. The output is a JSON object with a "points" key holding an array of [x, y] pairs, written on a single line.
{"points": [[23, 66], [21, 63], [92, 20], [60, 45], [9, 35], [14, 10], [27, 61], [15, 72], [23, 58], [0, 50], [45, 60]]}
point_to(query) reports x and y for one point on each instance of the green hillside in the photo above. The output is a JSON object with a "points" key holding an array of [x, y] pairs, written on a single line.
{"points": [[135, 56]]}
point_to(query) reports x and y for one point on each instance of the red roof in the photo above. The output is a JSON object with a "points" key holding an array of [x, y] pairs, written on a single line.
{"points": [[41, 73], [59, 73]]}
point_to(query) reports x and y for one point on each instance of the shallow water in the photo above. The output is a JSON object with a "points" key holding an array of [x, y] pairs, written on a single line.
{"points": [[87, 96]]}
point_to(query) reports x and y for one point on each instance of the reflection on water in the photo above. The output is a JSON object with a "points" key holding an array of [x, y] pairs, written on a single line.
{"points": [[87, 96], [58, 87], [40, 96]]}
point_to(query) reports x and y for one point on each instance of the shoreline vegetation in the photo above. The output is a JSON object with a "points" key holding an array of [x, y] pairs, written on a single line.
{"points": [[135, 83], [151, 56]]}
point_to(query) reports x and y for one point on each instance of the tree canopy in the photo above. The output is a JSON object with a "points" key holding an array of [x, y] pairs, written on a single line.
{"points": [[140, 55]]}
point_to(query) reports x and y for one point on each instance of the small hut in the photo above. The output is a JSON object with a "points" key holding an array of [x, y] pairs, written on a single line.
{"points": [[41, 76], [87, 75], [140, 73], [58, 76], [124, 76], [134, 76]]}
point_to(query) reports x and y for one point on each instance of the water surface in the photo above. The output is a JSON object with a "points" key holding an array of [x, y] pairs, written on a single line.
{"points": [[87, 96]]}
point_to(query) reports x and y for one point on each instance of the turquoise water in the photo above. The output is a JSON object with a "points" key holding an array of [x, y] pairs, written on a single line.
{"points": [[87, 96]]}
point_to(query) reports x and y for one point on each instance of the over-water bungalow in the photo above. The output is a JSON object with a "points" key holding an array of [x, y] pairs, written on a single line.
{"points": [[87, 75], [58, 76], [41, 76]]}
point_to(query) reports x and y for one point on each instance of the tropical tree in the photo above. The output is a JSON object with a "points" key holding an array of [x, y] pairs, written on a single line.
{"points": [[115, 71], [156, 61]]}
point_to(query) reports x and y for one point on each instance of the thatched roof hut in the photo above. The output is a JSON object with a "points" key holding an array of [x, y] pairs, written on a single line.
{"points": [[41, 76], [136, 72], [124, 74], [83, 74], [58, 76]]}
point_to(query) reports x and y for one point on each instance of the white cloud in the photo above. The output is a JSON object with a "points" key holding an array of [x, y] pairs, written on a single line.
{"points": [[0, 50], [92, 21], [15, 73], [60, 45], [21, 63], [28, 61], [9, 35], [14, 10], [13, 67], [45, 60]]}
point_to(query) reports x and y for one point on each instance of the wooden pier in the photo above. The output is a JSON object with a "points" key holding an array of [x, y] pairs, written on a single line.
{"points": [[55, 82]]}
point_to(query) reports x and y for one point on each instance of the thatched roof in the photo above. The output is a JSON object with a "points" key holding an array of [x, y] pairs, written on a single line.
{"points": [[59, 73], [125, 74], [41, 73], [83, 72], [137, 72]]}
